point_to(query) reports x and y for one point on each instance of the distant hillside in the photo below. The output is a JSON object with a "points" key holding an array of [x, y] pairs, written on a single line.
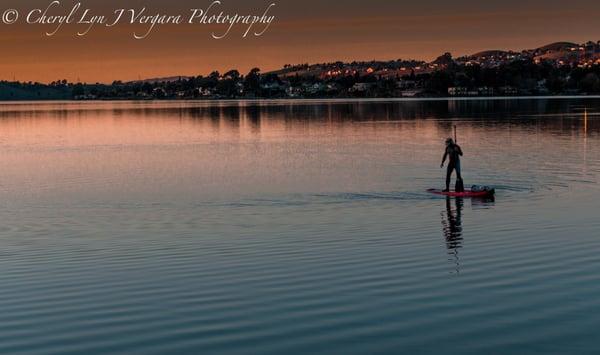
{"points": [[558, 46], [553, 69], [490, 53], [557, 53], [169, 79]]}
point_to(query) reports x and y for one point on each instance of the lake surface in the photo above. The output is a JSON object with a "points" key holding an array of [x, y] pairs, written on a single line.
{"points": [[298, 227]]}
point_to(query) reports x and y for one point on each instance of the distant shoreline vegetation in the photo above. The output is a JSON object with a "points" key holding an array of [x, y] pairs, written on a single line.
{"points": [[557, 69]]}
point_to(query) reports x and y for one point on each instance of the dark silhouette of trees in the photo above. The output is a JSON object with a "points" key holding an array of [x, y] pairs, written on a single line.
{"points": [[590, 83], [252, 82]]}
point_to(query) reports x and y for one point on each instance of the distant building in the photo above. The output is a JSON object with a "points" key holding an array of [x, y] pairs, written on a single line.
{"points": [[508, 90], [85, 97], [406, 84], [272, 86], [159, 92], [412, 93], [457, 91], [361, 87], [485, 91], [204, 92], [331, 88], [316, 88], [293, 91]]}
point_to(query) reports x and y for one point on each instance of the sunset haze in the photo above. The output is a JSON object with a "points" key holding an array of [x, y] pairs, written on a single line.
{"points": [[303, 32]]}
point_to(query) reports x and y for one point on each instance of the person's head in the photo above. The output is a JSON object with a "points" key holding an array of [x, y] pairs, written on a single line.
{"points": [[449, 141]]}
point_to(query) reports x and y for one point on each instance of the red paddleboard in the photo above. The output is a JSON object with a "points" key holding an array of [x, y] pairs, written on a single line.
{"points": [[466, 193]]}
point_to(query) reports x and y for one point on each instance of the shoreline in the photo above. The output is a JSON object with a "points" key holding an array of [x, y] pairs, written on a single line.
{"points": [[309, 100]]}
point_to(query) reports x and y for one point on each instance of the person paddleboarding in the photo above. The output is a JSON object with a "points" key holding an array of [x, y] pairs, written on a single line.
{"points": [[453, 153]]}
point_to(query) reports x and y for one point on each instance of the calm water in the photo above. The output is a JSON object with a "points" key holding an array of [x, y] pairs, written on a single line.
{"points": [[298, 227]]}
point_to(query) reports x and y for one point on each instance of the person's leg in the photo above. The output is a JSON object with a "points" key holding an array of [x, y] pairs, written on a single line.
{"points": [[449, 176], [459, 181], [458, 172]]}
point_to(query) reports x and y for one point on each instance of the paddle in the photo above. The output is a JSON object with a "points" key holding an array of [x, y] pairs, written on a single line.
{"points": [[455, 136]]}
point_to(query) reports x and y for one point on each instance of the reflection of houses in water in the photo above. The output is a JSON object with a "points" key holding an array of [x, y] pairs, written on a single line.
{"points": [[452, 228]]}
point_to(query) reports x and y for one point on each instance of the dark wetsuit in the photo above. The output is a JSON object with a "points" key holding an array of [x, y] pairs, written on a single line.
{"points": [[453, 152]]}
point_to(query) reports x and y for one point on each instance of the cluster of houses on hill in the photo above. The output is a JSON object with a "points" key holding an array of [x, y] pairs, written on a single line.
{"points": [[557, 54]]}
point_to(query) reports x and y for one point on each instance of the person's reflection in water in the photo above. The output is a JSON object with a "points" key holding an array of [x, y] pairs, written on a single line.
{"points": [[452, 223]]}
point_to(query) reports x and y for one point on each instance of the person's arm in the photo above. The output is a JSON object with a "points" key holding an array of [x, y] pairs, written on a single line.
{"points": [[444, 158], [459, 150]]}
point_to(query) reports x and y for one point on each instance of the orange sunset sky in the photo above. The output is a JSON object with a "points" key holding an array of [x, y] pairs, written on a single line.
{"points": [[305, 31]]}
